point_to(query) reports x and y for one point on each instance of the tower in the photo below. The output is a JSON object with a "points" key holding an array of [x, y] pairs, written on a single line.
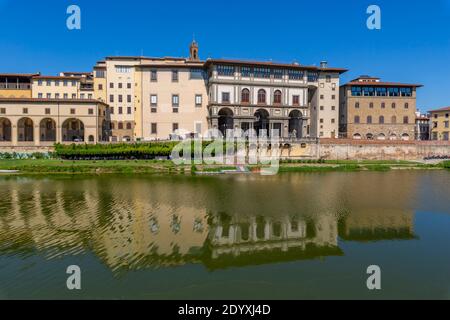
{"points": [[194, 51]]}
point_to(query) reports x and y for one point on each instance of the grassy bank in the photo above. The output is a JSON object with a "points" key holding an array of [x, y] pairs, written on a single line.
{"points": [[89, 167], [46, 166]]}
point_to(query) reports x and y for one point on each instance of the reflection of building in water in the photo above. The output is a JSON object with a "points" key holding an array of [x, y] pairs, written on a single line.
{"points": [[377, 225], [236, 240], [42, 219], [149, 236], [129, 232], [150, 227]]}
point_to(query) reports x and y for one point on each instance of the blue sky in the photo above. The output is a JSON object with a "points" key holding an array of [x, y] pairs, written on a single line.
{"points": [[412, 46]]}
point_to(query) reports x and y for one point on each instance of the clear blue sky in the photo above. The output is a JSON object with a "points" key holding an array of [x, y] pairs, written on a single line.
{"points": [[413, 45]]}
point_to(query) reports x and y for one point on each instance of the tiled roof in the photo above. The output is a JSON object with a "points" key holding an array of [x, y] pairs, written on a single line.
{"points": [[441, 109], [382, 84]]}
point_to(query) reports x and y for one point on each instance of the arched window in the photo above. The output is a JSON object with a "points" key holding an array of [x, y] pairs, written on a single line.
{"points": [[394, 120], [262, 96], [383, 105], [357, 119], [120, 126], [357, 105], [371, 105], [277, 97], [369, 120], [381, 120], [406, 105], [394, 105], [128, 126], [245, 96], [406, 120], [357, 136]]}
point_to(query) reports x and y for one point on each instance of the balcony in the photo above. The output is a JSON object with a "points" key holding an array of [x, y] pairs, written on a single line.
{"points": [[15, 86]]}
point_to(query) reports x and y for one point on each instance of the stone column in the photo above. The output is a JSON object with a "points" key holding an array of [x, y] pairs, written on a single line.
{"points": [[267, 231], [14, 135], [36, 135], [58, 134], [285, 129]]}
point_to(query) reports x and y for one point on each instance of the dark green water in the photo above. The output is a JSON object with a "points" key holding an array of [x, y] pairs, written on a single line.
{"points": [[291, 236]]}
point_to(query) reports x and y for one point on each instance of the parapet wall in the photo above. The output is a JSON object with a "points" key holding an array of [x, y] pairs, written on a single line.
{"points": [[369, 150]]}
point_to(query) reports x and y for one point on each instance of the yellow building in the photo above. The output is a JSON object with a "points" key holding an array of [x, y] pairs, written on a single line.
{"points": [[16, 85], [440, 124]]}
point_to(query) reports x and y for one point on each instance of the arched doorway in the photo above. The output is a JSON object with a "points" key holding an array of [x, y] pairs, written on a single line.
{"points": [[25, 128], [295, 124], [5, 130], [47, 130], [226, 121], [262, 123], [73, 131]]}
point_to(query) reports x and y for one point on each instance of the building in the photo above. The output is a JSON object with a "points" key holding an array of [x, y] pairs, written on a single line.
{"points": [[440, 127], [55, 87], [297, 101], [31, 122], [422, 127], [16, 85], [375, 110], [86, 83], [171, 98], [166, 98]]}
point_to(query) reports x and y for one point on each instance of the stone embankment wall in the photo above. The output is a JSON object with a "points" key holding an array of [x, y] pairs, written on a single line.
{"points": [[26, 150], [368, 150], [332, 149]]}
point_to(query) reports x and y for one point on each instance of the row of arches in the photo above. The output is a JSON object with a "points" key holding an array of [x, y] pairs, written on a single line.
{"points": [[262, 96], [261, 121], [382, 136], [72, 130]]}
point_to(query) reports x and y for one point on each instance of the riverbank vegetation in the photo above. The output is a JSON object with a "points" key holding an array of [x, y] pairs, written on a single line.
{"points": [[121, 151], [58, 166], [154, 158]]}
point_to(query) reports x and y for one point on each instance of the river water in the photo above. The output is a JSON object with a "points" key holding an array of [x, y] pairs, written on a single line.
{"points": [[290, 236]]}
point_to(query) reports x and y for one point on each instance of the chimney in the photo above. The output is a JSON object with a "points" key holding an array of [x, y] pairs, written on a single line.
{"points": [[323, 64]]}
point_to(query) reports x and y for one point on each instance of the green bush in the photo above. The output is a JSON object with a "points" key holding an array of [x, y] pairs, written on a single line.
{"points": [[118, 151]]}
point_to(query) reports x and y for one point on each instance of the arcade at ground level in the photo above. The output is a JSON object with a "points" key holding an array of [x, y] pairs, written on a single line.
{"points": [[39, 122]]}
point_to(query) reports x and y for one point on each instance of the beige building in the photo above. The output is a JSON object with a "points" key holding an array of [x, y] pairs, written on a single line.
{"points": [[55, 87], [375, 110], [166, 98], [325, 102], [267, 97], [86, 83], [440, 124], [173, 100], [26, 122], [153, 98], [170, 98]]}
